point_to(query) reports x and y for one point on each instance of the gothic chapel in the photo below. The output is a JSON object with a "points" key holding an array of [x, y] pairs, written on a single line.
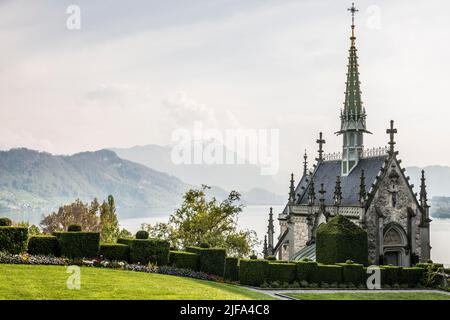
{"points": [[367, 186]]}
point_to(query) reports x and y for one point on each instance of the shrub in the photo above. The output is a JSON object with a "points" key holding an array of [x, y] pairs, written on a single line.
{"points": [[353, 273], [211, 260], [328, 274], [412, 276], [13, 239], [305, 270], [146, 251], [390, 275], [253, 256], [74, 228], [115, 251], [283, 272], [78, 244], [184, 260], [5, 222], [340, 240], [204, 245], [231, 269], [252, 272], [43, 245], [142, 234], [271, 258]]}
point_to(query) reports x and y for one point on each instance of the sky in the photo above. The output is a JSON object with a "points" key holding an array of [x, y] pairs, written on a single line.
{"points": [[136, 71]]}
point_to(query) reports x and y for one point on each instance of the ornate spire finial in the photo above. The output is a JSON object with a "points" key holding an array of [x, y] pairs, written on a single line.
{"points": [[270, 233], [391, 131], [353, 10], [337, 192], [320, 142], [305, 164], [423, 191], [292, 190], [311, 192], [362, 189]]}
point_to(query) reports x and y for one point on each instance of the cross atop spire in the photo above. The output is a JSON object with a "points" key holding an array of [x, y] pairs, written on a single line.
{"points": [[391, 131], [321, 142]]}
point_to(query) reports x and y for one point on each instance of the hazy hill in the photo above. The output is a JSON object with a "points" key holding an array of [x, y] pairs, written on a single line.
{"points": [[31, 179]]}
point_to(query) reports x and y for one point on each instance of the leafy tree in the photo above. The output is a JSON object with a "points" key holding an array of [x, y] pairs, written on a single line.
{"points": [[33, 230], [200, 220], [109, 223], [125, 234], [74, 213]]}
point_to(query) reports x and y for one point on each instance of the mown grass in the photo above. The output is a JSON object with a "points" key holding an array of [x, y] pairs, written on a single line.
{"points": [[371, 296], [50, 283]]}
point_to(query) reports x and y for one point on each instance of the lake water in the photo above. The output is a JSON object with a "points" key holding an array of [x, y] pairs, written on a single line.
{"points": [[255, 218]]}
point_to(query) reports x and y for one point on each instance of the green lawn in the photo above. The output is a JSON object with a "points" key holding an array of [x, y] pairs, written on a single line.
{"points": [[49, 282], [371, 296]]}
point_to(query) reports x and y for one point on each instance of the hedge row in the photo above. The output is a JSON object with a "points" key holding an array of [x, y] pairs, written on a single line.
{"points": [[78, 244], [184, 260], [256, 272], [43, 245], [231, 269], [115, 251], [211, 260], [145, 251], [13, 239]]}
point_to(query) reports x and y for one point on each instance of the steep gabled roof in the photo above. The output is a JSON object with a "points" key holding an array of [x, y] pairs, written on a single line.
{"points": [[327, 171]]}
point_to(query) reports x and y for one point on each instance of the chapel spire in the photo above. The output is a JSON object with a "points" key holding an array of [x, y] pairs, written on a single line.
{"points": [[353, 116]]}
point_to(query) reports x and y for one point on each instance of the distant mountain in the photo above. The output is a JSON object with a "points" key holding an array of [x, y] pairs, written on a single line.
{"points": [[37, 180], [240, 177]]}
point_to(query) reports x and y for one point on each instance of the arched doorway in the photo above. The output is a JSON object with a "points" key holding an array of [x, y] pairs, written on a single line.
{"points": [[395, 244]]}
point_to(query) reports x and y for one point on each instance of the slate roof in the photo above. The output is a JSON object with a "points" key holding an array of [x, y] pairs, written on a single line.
{"points": [[306, 252], [326, 173]]}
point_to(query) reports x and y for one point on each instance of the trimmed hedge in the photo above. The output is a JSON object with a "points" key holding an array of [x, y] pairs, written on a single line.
{"points": [[74, 228], [43, 245], [339, 240], [412, 276], [145, 251], [391, 275], [231, 269], [211, 260], [13, 239], [305, 270], [328, 274], [79, 244], [353, 273], [5, 222], [142, 234], [184, 260], [252, 272], [282, 272], [115, 251]]}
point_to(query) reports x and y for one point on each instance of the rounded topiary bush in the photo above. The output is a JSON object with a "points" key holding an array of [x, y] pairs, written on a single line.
{"points": [[5, 222], [204, 245], [142, 234], [340, 240], [271, 258], [74, 228], [253, 257]]}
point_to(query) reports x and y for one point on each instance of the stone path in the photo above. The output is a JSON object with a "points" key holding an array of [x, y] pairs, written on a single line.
{"points": [[281, 293]]}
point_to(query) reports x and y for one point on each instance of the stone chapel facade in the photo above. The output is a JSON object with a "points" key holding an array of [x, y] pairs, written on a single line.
{"points": [[367, 186]]}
